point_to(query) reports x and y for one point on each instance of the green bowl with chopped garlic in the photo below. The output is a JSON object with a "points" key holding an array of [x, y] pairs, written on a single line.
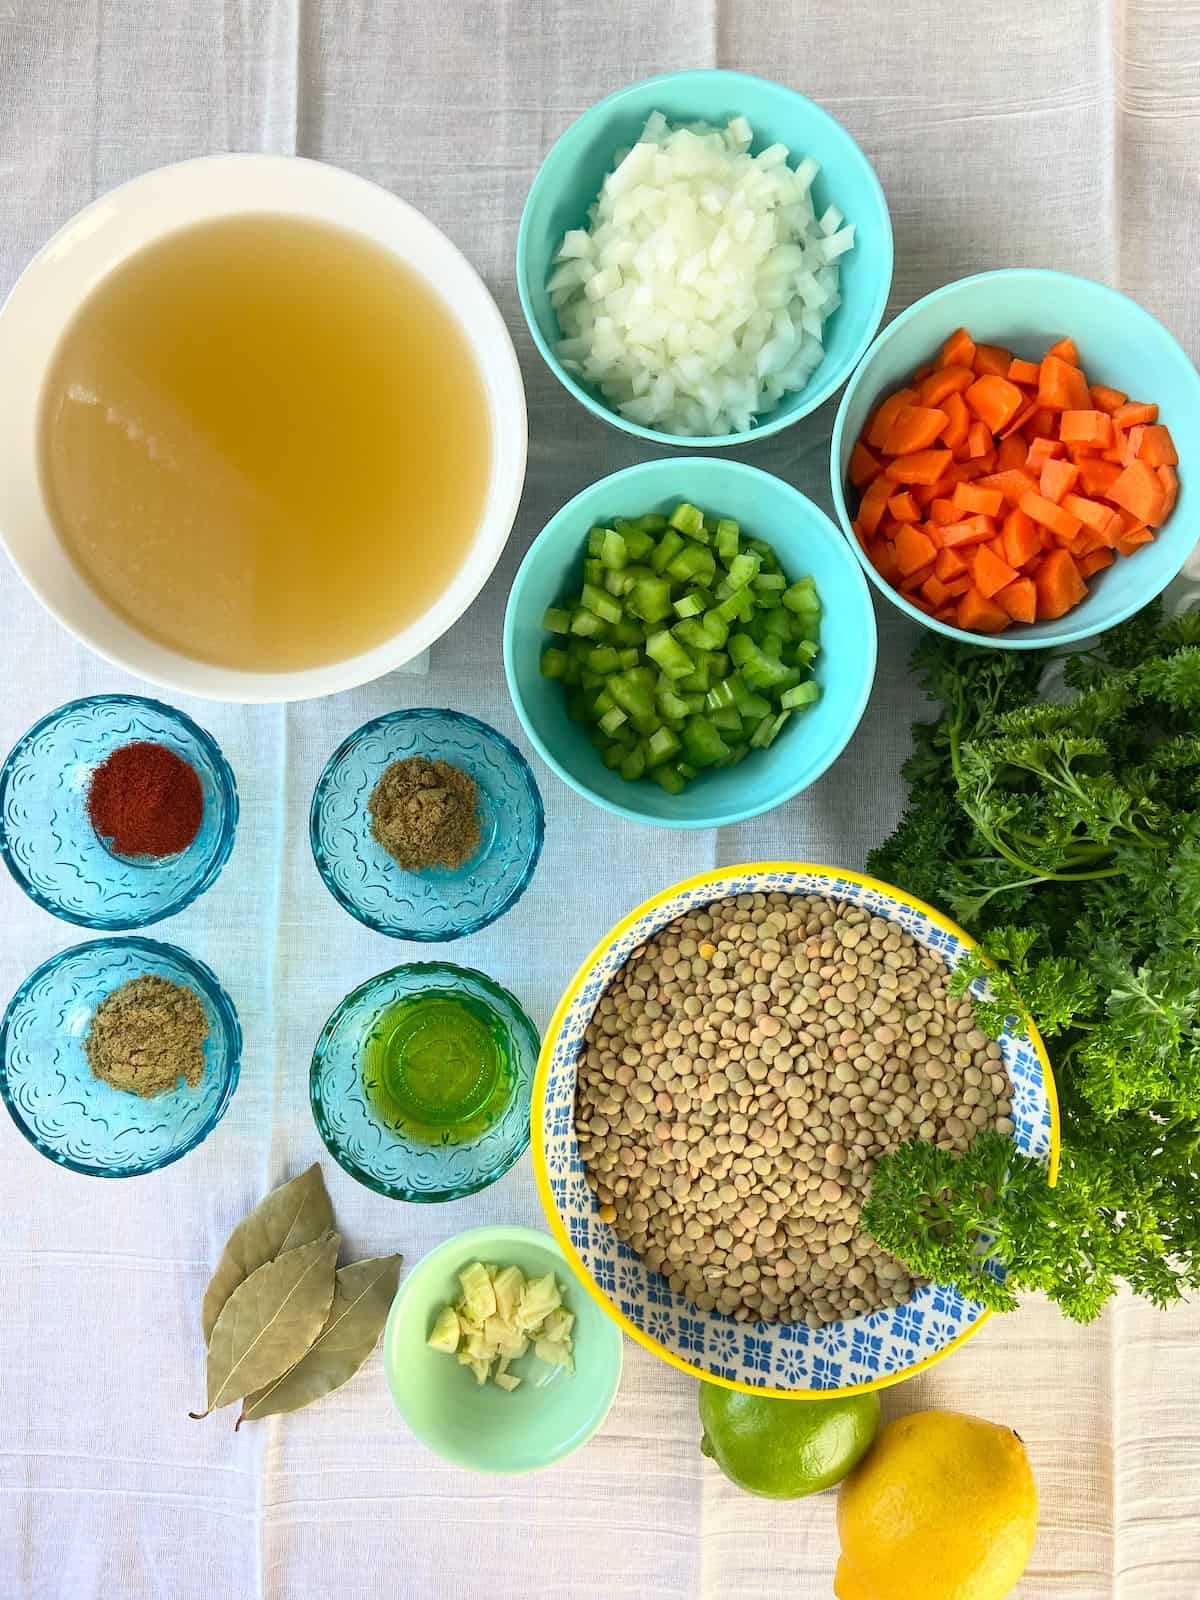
{"points": [[551, 1413]]}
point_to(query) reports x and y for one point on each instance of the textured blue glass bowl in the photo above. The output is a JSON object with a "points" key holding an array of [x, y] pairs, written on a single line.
{"points": [[1025, 309], [805, 541], [48, 842], [374, 1152], [570, 177], [72, 1117], [439, 904]]}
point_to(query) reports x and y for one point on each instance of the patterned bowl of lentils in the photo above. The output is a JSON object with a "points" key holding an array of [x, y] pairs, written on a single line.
{"points": [[713, 1092]]}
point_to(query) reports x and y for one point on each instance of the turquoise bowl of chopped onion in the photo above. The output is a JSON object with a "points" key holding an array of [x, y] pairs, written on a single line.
{"points": [[806, 544], [707, 289]]}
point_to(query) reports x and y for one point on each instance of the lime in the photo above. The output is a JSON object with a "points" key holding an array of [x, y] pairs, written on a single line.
{"points": [[785, 1448]]}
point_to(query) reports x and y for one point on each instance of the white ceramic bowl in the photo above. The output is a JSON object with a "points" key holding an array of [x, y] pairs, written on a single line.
{"points": [[105, 234], [844, 1357]]}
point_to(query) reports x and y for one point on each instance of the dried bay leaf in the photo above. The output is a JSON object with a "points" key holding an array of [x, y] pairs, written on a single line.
{"points": [[270, 1320], [362, 1298], [294, 1214]]}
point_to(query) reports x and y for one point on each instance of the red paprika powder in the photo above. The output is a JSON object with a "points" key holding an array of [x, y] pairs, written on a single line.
{"points": [[144, 800]]}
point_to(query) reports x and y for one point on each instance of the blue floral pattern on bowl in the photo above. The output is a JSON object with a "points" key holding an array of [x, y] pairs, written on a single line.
{"points": [[379, 1155], [866, 1351], [46, 837], [47, 1084], [439, 904]]}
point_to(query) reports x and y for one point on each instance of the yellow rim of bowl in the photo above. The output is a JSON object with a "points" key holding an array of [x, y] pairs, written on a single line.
{"points": [[717, 876]]}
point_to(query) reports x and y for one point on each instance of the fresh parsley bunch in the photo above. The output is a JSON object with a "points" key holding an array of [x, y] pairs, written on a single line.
{"points": [[1055, 811]]}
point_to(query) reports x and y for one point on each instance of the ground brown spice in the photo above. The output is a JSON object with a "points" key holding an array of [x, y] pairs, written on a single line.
{"points": [[146, 1035], [424, 814]]}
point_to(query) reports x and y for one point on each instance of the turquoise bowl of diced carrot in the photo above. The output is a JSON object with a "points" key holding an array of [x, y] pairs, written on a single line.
{"points": [[1011, 461]]}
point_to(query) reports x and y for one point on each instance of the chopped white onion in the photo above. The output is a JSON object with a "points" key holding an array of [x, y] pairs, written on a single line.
{"points": [[696, 297]]}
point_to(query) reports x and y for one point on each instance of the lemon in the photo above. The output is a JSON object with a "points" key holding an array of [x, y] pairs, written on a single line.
{"points": [[943, 1508], [785, 1448]]}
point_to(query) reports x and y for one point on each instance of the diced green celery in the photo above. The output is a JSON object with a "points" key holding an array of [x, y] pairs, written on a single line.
{"points": [[627, 658], [698, 634], [554, 663], [694, 704], [719, 696], [693, 604], [671, 705], [778, 623], [697, 682], [667, 778], [618, 583], [667, 548], [604, 659], [730, 608], [767, 730], [627, 632], [556, 619], [588, 626], [614, 553], [661, 745], [605, 606], [755, 706], [638, 543], [728, 539], [769, 580], [632, 696], [741, 647], [686, 771], [719, 664], [805, 652], [667, 652], [727, 720], [633, 764], [702, 742], [593, 570], [689, 519], [804, 694], [603, 702], [612, 753], [760, 547], [710, 523], [643, 675], [802, 598], [743, 568], [652, 522], [589, 679], [612, 720], [595, 540], [737, 752], [651, 599], [692, 563]]}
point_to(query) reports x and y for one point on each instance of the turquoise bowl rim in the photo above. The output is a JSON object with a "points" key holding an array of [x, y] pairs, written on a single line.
{"points": [[812, 396], [1067, 632], [222, 845], [214, 992], [722, 819], [485, 1238], [519, 1019]]}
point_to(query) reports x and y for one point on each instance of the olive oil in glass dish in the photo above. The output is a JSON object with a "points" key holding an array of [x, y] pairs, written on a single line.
{"points": [[421, 1082]]}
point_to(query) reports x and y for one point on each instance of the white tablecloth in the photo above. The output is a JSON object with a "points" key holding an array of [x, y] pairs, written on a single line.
{"points": [[1063, 134]]}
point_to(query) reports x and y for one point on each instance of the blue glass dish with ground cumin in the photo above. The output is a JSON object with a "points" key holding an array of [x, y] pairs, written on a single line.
{"points": [[421, 1082]]}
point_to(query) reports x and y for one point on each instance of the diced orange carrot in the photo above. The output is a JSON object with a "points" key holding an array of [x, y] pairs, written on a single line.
{"points": [[1022, 542], [948, 613], [994, 401], [1011, 452], [1064, 350], [1169, 479], [1058, 478], [914, 549], [979, 438], [970, 498], [919, 601], [958, 585], [1061, 385], [1049, 515], [1023, 372], [977, 614], [1093, 515], [874, 503], [943, 512], [949, 565], [958, 419], [1133, 444], [990, 573], [1019, 418], [923, 466], [1043, 424], [881, 422], [1042, 450], [1095, 561], [924, 493], [913, 428], [1012, 483], [904, 508], [1097, 477], [1019, 599], [1106, 399], [1119, 448], [883, 557], [960, 534], [1157, 448], [1134, 540], [910, 583], [864, 465], [943, 382], [923, 372], [933, 533], [1086, 427], [1134, 412], [935, 590], [958, 350], [1059, 585], [1140, 492], [992, 361]]}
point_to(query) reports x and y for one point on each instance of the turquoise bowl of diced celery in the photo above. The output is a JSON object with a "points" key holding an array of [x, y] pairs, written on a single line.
{"points": [[689, 642]]}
